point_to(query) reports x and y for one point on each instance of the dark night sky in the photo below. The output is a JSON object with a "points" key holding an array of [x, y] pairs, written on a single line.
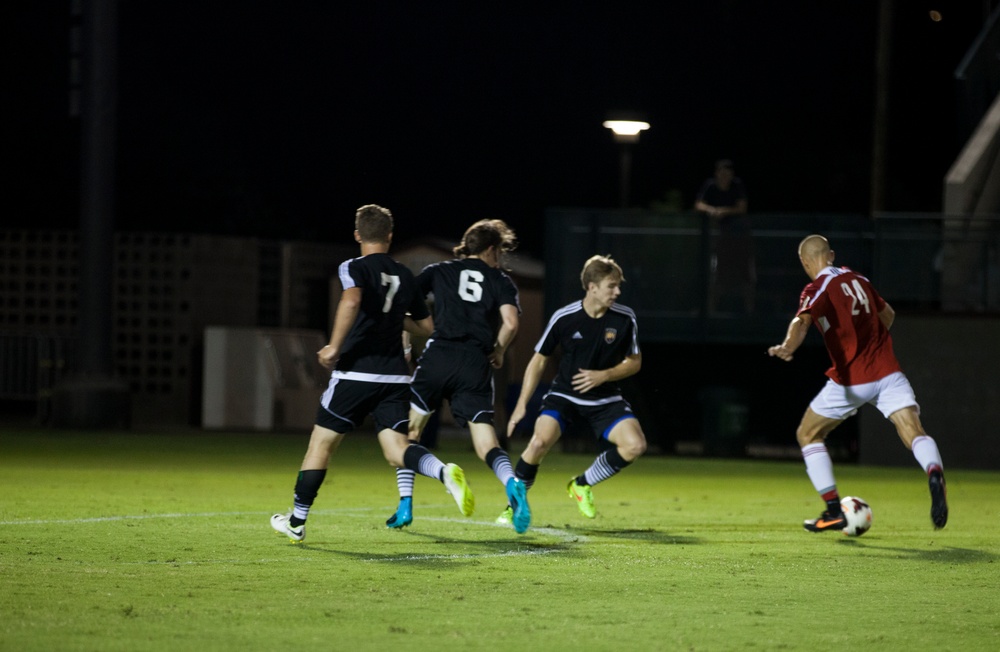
{"points": [[280, 118]]}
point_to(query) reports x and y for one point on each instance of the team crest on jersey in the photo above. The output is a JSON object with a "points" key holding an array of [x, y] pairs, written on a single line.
{"points": [[610, 334]]}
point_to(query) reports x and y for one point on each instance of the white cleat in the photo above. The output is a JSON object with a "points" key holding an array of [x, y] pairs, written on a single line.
{"points": [[280, 524]]}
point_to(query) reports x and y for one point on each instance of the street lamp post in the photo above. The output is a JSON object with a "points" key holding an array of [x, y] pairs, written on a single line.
{"points": [[626, 133]]}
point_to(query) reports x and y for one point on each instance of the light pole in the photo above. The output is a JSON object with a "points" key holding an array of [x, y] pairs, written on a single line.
{"points": [[626, 133]]}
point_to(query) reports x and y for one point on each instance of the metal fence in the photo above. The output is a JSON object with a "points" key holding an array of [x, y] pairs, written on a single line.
{"points": [[919, 262], [30, 367]]}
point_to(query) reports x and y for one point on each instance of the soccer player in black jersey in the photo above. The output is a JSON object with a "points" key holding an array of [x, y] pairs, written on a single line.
{"points": [[476, 316], [369, 372], [600, 347]]}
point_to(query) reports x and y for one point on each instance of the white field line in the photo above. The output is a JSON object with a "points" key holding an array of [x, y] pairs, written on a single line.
{"points": [[355, 512], [140, 517]]}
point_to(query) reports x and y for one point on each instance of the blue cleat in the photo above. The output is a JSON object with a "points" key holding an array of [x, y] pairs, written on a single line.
{"points": [[517, 495], [403, 515]]}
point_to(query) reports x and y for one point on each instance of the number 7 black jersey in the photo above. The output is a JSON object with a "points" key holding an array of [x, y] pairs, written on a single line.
{"points": [[589, 343], [468, 294], [388, 292]]}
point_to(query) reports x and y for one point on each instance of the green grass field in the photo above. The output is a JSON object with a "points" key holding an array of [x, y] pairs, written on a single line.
{"points": [[160, 541]]}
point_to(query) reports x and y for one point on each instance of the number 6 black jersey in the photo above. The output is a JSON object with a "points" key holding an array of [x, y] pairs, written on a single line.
{"points": [[468, 294], [589, 343], [388, 292]]}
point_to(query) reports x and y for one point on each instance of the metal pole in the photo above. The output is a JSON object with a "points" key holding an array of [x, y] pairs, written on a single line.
{"points": [[97, 178], [91, 397], [881, 119], [626, 174]]}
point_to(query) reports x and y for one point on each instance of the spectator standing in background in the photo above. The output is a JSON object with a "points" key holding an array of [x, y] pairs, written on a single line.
{"points": [[723, 200]]}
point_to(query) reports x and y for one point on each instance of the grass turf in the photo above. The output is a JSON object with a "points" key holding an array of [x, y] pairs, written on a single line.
{"points": [[160, 541]]}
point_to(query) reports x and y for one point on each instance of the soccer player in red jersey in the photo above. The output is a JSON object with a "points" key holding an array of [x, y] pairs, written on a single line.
{"points": [[854, 321]]}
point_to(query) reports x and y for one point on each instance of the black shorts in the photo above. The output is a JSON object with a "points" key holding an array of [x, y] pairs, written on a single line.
{"points": [[601, 418], [346, 403], [460, 373]]}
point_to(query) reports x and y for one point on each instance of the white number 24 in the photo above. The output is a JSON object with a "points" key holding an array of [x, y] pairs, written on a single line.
{"points": [[857, 294]]}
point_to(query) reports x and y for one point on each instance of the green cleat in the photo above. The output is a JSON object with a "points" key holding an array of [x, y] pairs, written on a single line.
{"points": [[454, 482], [506, 516], [583, 496]]}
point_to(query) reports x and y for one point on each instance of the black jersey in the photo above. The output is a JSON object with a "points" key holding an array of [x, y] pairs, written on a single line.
{"points": [[589, 343], [388, 293], [468, 294]]}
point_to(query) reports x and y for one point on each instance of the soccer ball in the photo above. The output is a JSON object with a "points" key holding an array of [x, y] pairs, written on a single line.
{"points": [[858, 514]]}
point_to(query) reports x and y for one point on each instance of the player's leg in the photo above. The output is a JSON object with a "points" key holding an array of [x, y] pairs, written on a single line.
{"points": [[625, 432], [422, 396], [405, 479], [403, 515], [925, 450], [322, 444], [548, 429], [811, 435], [401, 453], [484, 440], [418, 421], [487, 447]]}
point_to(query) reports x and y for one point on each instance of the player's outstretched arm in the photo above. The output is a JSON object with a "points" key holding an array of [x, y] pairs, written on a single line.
{"points": [[797, 330], [532, 376]]}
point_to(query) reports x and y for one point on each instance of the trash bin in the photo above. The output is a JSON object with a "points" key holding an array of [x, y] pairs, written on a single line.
{"points": [[725, 415]]}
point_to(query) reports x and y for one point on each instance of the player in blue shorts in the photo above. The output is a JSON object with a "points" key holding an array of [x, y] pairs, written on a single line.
{"points": [[600, 346]]}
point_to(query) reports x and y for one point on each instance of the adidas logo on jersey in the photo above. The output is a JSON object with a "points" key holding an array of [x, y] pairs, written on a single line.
{"points": [[577, 336]]}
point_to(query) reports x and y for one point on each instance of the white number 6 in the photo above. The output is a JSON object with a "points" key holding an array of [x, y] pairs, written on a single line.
{"points": [[469, 287]]}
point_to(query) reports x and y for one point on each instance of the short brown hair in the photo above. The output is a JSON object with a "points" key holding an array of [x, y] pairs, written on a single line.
{"points": [[373, 223], [484, 234], [597, 268]]}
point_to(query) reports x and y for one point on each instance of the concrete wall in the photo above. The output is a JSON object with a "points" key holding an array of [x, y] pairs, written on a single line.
{"points": [[953, 364]]}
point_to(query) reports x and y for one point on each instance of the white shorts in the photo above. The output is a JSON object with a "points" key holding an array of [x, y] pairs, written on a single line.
{"points": [[889, 394]]}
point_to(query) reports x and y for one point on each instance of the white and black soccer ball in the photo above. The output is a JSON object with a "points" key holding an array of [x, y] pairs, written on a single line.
{"points": [[858, 514]]}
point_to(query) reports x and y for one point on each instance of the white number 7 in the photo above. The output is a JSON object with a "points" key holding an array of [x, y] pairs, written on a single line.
{"points": [[393, 283]]}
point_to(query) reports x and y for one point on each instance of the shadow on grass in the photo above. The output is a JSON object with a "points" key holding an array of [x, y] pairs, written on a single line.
{"points": [[651, 535], [420, 549], [947, 554]]}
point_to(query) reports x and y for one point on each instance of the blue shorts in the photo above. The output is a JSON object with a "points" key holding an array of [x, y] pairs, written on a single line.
{"points": [[601, 418]]}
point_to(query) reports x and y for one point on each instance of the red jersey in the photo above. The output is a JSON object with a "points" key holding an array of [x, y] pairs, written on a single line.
{"points": [[844, 306]]}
